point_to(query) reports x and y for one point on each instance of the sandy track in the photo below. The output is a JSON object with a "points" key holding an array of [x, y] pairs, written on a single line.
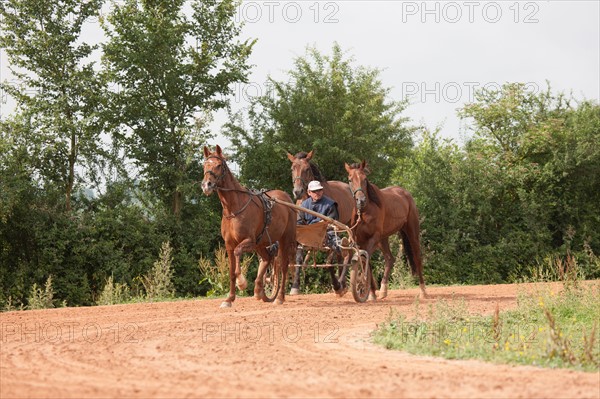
{"points": [[312, 346]]}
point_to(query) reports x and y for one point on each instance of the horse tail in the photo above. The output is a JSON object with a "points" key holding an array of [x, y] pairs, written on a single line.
{"points": [[409, 253]]}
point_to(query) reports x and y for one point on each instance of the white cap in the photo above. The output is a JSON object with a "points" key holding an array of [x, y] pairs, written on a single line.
{"points": [[315, 185]]}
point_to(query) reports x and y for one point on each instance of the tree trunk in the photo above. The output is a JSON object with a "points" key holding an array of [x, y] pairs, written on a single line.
{"points": [[71, 176], [177, 202]]}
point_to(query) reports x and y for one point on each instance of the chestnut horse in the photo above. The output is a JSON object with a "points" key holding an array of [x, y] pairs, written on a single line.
{"points": [[381, 213], [250, 223], [303, 172]]}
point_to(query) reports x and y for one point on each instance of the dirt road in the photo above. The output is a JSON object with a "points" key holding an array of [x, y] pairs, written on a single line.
{"points": [[312, 346]]}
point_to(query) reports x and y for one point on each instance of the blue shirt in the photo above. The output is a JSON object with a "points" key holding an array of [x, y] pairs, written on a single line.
{"points": [[325, 206]]}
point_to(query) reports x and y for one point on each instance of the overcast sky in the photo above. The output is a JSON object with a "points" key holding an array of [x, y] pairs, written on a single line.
{"points": [[435, 52]]}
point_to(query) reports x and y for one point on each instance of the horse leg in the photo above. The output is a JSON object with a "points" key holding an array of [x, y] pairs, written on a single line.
{"points": [[245, 246], [334, 281], [389, 262], [296, 281], [339, 280], [284, 258], [345, 259], [344, 269], [235, 273], [260, 275], [232, 277], [373, 294], [370, 248]]}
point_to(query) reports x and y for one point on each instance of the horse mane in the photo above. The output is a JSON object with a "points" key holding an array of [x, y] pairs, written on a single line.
{"points": [[372, 189], [372, 193], [313, 168]]}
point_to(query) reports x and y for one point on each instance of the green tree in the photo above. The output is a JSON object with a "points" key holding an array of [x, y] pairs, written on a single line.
{"points": [[522, 189], [171, 69], [543, 143], [59, 92], [327, 104]]}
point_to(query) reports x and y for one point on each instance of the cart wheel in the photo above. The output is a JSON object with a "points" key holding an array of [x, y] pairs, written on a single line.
{"points": [[272, 282], [360, 277]]}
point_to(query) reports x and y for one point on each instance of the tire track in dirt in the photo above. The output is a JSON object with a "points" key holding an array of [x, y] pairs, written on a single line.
{"points": [[312, 346]]}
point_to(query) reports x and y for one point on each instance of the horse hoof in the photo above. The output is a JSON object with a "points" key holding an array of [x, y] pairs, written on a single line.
{"points": [[225, 304], [383, 291], [278, 301], [341, 292], [294, 291], [372, 297]]}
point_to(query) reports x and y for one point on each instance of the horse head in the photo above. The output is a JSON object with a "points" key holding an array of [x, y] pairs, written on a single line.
{"points": [[357, 178], [215, 170], [301, 173]]}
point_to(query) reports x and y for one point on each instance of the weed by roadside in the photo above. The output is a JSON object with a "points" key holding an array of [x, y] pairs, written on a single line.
{"points": [[216, 273], [158, 281], [41, 298], [548, 329], [113, 293]]}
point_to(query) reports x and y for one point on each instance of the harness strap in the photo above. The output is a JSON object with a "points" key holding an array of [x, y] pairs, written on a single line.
{"points": [[267, 207], [242, 209]]}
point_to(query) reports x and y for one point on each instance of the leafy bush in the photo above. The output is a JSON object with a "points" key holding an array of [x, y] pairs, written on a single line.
{"points": [[216, 273], [157, 282], [41, 299], [113, 293]]}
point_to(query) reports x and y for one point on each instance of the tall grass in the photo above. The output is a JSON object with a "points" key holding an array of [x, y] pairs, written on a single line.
{"points": [[113, 293], [548, 329], [158, 281], [41, 298], [216, 272], [568, 268]]}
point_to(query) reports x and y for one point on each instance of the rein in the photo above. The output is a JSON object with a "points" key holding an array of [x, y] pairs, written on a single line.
{"points": [[358, 220]]}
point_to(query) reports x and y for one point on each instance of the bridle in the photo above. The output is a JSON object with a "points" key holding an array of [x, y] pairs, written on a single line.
{"points": [[220, 177], [304, 182], [299, 178], [355, 191], [358, 211], [359, 189]]}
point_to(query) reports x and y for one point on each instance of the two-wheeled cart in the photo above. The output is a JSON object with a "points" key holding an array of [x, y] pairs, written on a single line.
{"points": [[312, 239]]}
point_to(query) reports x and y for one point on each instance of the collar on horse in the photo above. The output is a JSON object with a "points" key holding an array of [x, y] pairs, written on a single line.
{"points": [[266, 205]]}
